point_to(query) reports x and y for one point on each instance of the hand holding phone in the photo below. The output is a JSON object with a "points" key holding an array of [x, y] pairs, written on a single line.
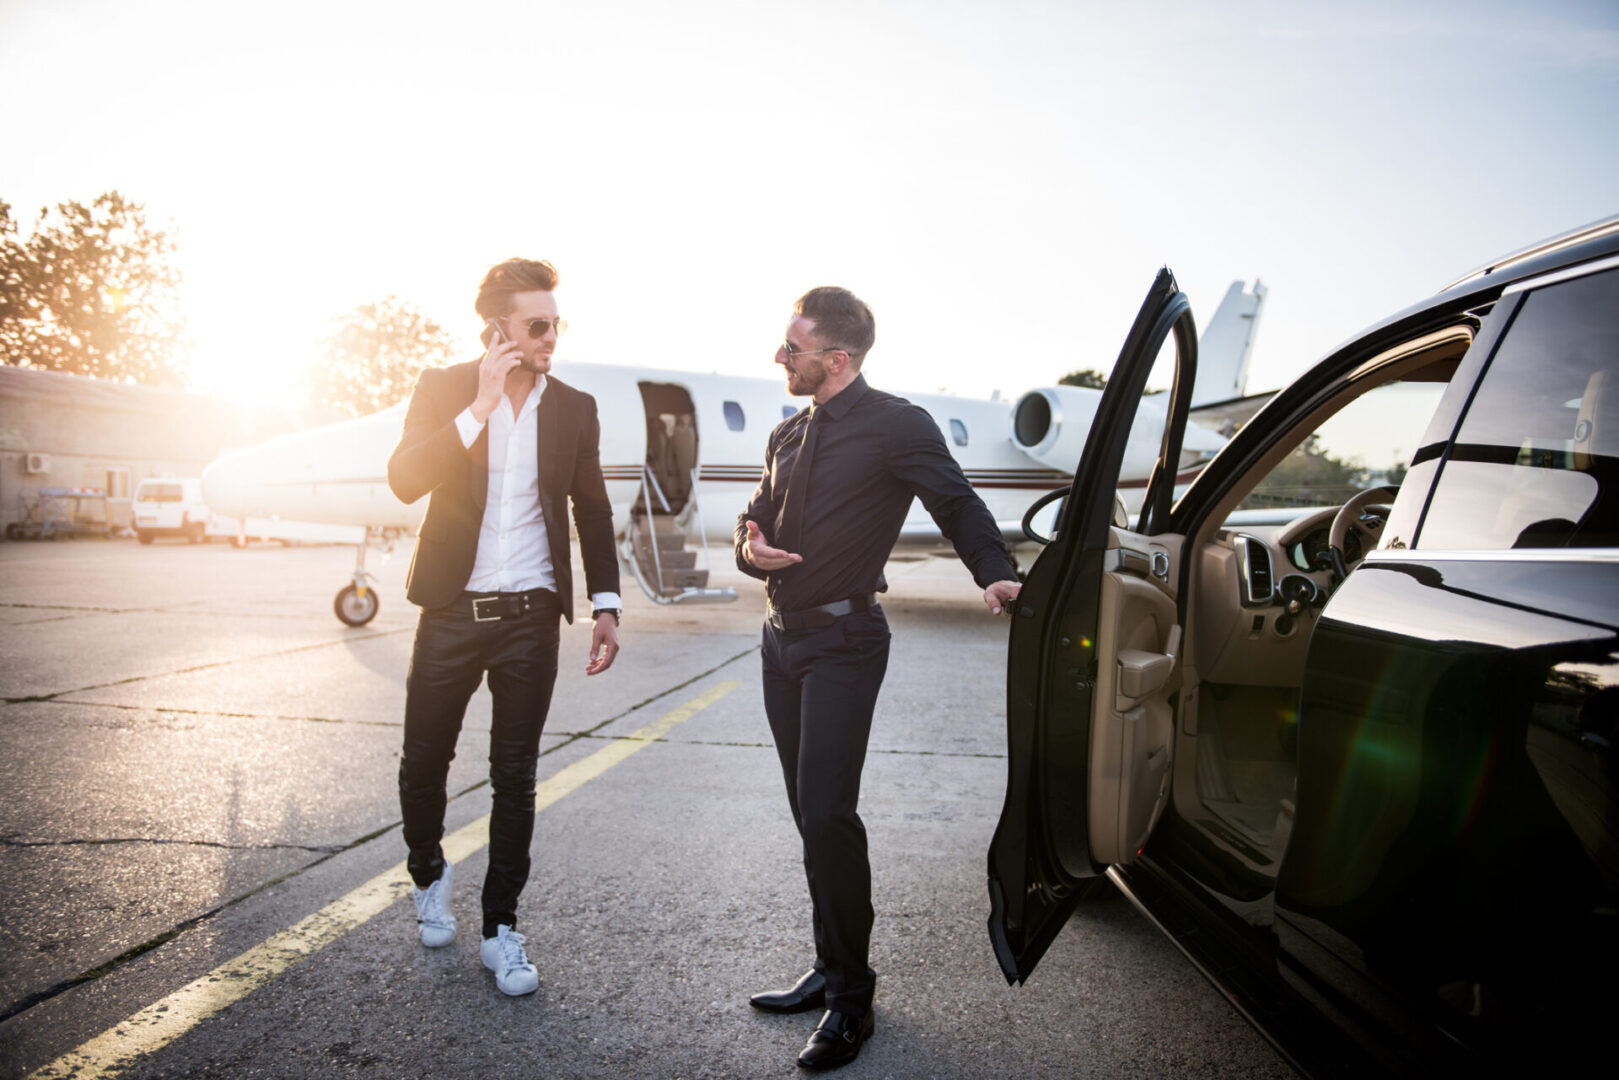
{"points": [[494, 335], [502, 356]]}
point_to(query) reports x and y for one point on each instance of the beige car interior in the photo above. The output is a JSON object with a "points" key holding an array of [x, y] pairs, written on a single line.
{"points": [[1206, 714]]}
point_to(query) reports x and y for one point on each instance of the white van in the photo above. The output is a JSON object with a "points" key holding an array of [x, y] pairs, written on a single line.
{"points": [[171, 506]]}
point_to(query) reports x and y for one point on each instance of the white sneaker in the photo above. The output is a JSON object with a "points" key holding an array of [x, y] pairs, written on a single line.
{"points": [[503, 954], [433, 918]]}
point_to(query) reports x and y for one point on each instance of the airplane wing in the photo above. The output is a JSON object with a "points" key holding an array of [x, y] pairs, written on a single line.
{"points": [[1225, 417]]}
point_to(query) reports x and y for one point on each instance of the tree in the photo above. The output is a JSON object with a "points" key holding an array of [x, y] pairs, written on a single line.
{"points": [[374, 357], [1309, 476], [92, 290], [1090, 378]]}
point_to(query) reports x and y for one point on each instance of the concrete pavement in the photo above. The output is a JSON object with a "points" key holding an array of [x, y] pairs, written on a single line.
{"points": [[197, 756]]}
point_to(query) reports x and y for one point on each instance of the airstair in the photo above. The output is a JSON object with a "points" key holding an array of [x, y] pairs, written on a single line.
{"points": [[656, 546]]}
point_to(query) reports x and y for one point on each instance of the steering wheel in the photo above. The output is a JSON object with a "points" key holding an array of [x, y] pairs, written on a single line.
{"points": [[1028, 515], [1349, 518]]}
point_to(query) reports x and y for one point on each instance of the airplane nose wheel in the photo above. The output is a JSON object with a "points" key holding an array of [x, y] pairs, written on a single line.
{"points": [[354, 608], [356, 603]]}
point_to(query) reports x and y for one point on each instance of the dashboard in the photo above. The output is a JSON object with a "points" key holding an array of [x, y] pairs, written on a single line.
{"points": [[1311, 551], [1263, 583]]}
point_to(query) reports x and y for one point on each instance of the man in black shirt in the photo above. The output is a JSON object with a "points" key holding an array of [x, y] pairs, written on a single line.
{"points": [[839, 477]]}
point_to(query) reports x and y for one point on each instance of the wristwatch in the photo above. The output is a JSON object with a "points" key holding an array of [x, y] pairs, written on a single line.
{"points": [[616, 613]]}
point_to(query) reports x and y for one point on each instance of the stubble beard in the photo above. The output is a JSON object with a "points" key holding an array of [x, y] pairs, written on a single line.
{"points": [[802, 384]]}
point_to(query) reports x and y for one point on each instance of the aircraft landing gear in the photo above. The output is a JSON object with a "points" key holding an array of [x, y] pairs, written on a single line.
{"points": [[357, 602], [356, 605]]}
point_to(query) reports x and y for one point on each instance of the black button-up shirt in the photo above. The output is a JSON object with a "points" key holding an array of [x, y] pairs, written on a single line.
{"points": [[874, 451]]}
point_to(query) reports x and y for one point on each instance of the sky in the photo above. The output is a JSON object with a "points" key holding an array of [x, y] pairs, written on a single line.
{"points": [[1000, 181]]}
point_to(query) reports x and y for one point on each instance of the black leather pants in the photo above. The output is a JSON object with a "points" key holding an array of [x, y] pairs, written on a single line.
{"points": [[451, 654]]}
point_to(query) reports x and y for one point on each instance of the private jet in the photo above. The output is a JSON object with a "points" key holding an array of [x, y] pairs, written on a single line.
{"points": [[681, 472]]}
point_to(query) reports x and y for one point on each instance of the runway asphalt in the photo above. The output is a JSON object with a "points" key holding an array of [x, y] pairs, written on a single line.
{"points": [[199, 848]]}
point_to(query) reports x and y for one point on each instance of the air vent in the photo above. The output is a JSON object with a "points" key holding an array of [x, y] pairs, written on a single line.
{"points": [[38, 463], [1254, 568], [1260, 585]]}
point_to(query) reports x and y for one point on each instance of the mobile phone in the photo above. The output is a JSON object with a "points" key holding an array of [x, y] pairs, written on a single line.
{"points": [[492, 333]]}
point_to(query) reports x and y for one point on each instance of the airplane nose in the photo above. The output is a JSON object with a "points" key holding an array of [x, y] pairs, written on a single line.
{"points": [[228, 485]]}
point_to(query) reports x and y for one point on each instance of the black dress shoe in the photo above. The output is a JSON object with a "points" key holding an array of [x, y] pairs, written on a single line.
{"points": [[808, 993], [836, 1040]]}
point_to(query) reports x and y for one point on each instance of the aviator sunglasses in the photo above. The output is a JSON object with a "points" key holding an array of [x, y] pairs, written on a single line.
{"points": [[538, 328], [791, 352]]}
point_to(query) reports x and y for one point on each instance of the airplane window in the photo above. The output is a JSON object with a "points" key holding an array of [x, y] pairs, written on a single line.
{"points": [[787, 412], [733, 416], [958, 432]]}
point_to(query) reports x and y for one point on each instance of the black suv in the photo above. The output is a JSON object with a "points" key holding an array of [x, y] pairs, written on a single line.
{"points": [[1352, 748]]}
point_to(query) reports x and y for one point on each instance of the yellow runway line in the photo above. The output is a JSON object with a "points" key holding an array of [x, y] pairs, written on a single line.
{"points": [[162, 1022]]}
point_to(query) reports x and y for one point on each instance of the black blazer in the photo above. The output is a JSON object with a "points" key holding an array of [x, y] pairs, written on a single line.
{"points": [[430, 460]]}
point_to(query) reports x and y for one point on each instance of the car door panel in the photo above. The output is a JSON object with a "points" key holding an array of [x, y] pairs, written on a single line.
{"points": [[1450, 861], [1091, 666], [1132, 725]]}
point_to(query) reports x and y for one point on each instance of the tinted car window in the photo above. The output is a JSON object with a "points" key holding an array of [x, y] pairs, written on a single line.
{"points": [[1536, 463]]}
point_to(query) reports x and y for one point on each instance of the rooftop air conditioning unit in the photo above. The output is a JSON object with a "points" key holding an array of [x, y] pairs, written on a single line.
{"points": [[38, 463]]}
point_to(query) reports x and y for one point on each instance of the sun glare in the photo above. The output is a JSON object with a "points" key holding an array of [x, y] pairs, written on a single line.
{"points": [[248, 376]]}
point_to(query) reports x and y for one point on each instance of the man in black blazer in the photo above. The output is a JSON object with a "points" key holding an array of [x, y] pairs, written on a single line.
{"points": [[499, 447]]}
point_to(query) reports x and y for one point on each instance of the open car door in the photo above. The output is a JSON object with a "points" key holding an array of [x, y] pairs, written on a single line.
{"points": [[1093, 664]]}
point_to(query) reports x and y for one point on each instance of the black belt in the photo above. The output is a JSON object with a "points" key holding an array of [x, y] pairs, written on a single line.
{"points": [[492, 607], [816, 618]]}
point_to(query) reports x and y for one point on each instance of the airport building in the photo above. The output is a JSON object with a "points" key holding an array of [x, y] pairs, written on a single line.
{"points": [[73, 448]]}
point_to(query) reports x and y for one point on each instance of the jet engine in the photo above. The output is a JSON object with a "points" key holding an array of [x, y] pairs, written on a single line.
{"points": [[1051, 425]]}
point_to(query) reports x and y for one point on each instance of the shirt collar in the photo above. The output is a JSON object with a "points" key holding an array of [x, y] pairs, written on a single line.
{"points": [[532, 401], [846, 399]]}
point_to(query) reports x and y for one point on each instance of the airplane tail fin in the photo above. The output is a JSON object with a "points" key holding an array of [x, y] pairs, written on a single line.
{"points": [[1226, 346]]}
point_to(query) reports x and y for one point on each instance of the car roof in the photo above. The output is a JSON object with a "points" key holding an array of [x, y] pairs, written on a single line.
{"points": [[1565, 249], [1589, 243], [1596, 243]]}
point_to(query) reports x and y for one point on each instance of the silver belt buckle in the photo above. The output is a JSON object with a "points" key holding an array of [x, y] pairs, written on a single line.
{"points": [[477, 612]]}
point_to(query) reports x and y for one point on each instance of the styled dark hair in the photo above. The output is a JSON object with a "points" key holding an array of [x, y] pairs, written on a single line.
{"points": [[505, 280], [842, 321]]}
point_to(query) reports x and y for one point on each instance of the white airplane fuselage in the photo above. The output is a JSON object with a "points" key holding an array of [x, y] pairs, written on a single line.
{"points": [[338, 473], [1011, 453]]}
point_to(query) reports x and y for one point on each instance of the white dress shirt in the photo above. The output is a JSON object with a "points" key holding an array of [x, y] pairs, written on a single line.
{"points": [[514, 549]]}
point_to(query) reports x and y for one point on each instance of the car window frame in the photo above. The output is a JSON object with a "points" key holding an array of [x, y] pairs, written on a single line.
{"points": [[1497, 327]]}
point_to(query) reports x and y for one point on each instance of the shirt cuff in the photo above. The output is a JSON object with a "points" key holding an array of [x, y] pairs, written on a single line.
{"points": [[469, 428], [605, 600]]}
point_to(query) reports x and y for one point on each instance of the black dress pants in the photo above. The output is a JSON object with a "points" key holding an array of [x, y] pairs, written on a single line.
{"points": [[820, 688], [450, 656]]}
